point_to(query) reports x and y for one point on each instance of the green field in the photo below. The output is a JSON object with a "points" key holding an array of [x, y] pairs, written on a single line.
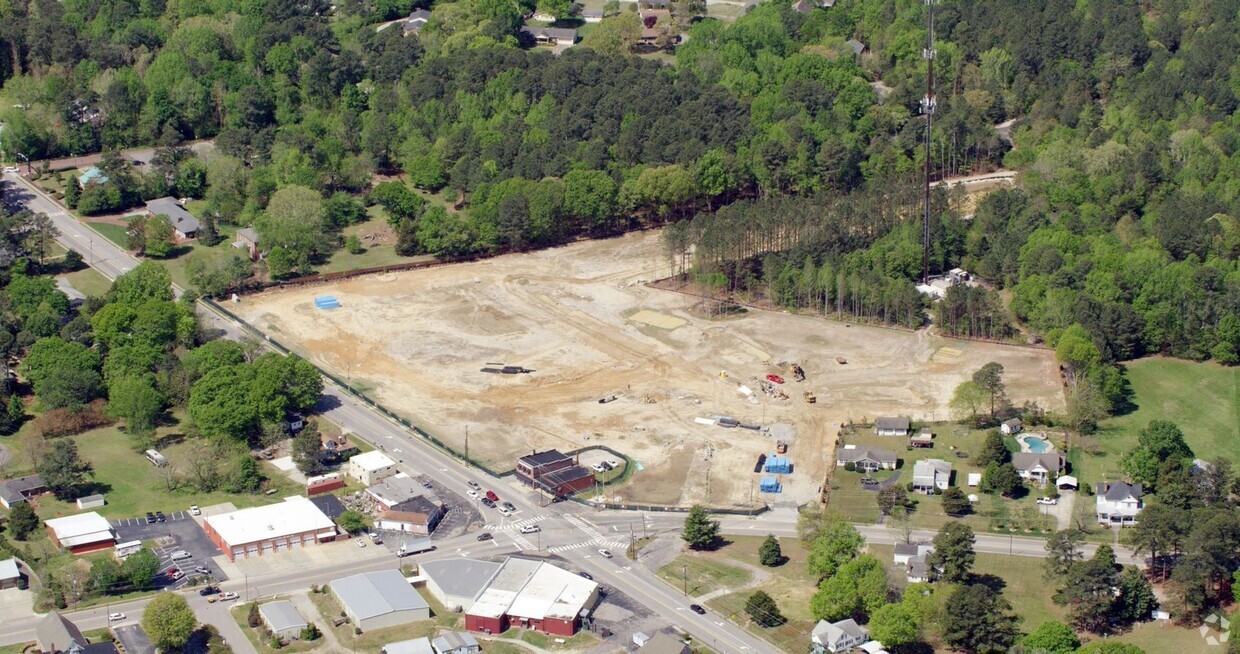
{"points": [[703, 573], [118, 234], [89, 282], [377, 253], [1202, 398]]}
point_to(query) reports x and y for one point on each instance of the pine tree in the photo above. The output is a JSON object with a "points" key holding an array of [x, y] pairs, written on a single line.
{"points": [[700, 531], [763, 610], [770, 554], [22, 521]]}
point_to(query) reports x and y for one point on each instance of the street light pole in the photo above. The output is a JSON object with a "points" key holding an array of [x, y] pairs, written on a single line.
{"points": [[684, 574]]}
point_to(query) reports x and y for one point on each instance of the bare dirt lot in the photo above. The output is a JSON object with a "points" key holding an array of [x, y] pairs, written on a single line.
{"points": [[581, 318]]}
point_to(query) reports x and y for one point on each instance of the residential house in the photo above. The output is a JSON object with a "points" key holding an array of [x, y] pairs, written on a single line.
{"points": [[857, 46], [10, 575], [93, 175], [917, 570], [247, 239], [665, 643], [456, 642], [54, 634], [1009, 427], [892, 426], [866, 459], [1118, 503], [22, 489], [184, 225], [923, 438], [837, 637], [592, 15], [931, 474], [1038, 468], [802, 7], [904, 552], [416, 20], [551, 35]]}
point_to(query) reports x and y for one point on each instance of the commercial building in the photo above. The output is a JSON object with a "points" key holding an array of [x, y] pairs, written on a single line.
{"points": [[295, 522], [81, 533], [554, 472], [380, 599], [517, 593], [397, 489], [370, 467], [10, 576], [414, 646], [324, 483], [282, 618], [665, 643], [330, 505], [22, 489], [455, 642], [537, 464], [416, 516]]}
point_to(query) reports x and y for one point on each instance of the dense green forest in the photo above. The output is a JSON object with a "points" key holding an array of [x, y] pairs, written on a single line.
{"points": [[790, 162]]}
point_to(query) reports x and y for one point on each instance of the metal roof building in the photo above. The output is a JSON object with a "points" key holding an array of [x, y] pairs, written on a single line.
{"points": [[415, 646], [456, 583], [295, 522], [532, 595], [282, 618], [380, 599], [83, 532]]}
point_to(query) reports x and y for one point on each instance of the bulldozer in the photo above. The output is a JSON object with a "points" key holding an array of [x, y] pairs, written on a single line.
{"points": [[796, 372], [810, 398]]}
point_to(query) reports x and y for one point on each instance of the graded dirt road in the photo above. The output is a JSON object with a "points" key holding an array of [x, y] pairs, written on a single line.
{"points": [[583, 320]]}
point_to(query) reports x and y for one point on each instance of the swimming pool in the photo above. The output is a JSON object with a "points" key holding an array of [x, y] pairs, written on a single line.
{"points": [[1036, 444]]}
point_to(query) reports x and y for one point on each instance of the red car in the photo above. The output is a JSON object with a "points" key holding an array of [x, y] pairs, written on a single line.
{"points": [[492, 496], [775, 378]]}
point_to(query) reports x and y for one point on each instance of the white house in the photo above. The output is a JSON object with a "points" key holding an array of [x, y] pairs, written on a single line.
{"points": [[930, 474], [917, 571], [1010, 427], [837, 636], [906, 551], [371, 467], [892, 426], [866, 459], [1038, 468], [1118, 503]]}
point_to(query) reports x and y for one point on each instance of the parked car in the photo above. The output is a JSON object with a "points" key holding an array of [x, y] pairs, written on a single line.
{"points": [[486, 535], [504, 512], [775, 379], [150, 518], [1047, 500], [492, 496], [194, 510], [159, 516], [473, 494], [509, 506], [598, 467], [606, 553], [375, 538], [116, 617], [487, 502], [613, 463], [427, 485], [225, 597], [697, 608], [474, 485], [176, 576], [202, 569], [530, 529], [10, 169], [181, 555], [360, 543]]}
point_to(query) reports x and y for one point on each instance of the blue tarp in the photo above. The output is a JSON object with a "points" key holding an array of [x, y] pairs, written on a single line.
{"points": [[778, 464], [327, 302], [770, 485]]}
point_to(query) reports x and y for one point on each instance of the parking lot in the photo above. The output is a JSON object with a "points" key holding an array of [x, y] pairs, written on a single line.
{"points": [[179, 531]]}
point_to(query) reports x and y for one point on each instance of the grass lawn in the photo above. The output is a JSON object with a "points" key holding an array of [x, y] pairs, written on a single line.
{"points": [[705, 573], [377, 253], [133, 485], [1169, 638], [1201, 398], [991, 513], [14, 649], [176, 265], [115, 233], [89, 282], [579, 641]]}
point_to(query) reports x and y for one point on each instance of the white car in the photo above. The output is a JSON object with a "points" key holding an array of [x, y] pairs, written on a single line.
{"points": [[116, 617], [10, 169], [194, 510], [473, 494], [504, 512], [598, 467], [225, 597], [361, 543], [1047, 500], [613, 463], [530, 529], [606, 553]]}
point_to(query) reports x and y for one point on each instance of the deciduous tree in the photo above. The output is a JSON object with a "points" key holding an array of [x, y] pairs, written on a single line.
{"points": [[836, 544], [1053, 638], [169, 620]]}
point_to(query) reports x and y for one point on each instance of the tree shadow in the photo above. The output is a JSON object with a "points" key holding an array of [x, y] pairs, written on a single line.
{"points": [[990, 581]]}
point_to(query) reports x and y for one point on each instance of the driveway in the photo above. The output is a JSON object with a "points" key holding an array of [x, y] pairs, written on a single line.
{"points": [[1062, 511], [134, 639], [179, 532]]}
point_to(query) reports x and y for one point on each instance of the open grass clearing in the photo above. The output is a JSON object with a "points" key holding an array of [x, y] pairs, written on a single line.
{"points": [[579, 641], [89, 282], [1169, 638], [118, 234], [697, 574], [379, 242]]}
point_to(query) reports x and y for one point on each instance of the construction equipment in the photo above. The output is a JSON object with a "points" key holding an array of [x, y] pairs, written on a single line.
{"points": [[841, 360], [810, 398], [797, 373], [781, 447]]}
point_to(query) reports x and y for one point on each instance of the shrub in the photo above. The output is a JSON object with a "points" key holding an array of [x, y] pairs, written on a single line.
{"points": [[67, 422], [311, 632], [276, 643], [253, 617], [850, 466]]}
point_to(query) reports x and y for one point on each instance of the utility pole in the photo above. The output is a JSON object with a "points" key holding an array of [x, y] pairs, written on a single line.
{"points": [[467, 443], [684, 574], [927, 107]]}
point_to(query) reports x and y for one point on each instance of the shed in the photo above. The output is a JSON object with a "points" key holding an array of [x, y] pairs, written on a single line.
{"points": [[90, 502], [282, 618], [665, 643], [1067, 482], [856, 46], [892, 425], [1012, 426], [778, 464], [9, 574], [975, 479], [382, 598]]}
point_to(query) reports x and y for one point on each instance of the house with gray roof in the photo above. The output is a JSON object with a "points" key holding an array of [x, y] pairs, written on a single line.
{"points": [[16, 491], [456, 642], [54, 634], [184, 224], [10, 575], [802, 7], [837, 636], [413, 646], [592, 15], [665, 643], [1038, 468], [551, 35], [857, 46], [931, 474], [892, 425], [416, 20], [282, 618], [1118, 502], [866, 459], [906, 551], [456, 583], [383, 598]]}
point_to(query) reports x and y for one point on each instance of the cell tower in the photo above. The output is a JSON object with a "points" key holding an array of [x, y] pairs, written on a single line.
{"points": [[927, 107]]}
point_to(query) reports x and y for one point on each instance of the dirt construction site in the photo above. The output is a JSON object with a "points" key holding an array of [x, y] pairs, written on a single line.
{"points": [[611, 361]]}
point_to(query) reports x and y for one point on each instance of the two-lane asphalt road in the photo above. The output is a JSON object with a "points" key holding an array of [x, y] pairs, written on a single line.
{"points": [[98, 252]]}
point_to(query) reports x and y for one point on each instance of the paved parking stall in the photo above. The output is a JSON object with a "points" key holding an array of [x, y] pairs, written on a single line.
{"points": [[179, 532], [134, 639]]}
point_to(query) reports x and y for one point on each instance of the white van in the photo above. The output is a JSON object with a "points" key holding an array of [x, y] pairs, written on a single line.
{"points": [[181, 555], [156, 458]]}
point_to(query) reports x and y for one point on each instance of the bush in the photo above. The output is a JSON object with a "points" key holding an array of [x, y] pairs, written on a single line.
{"points": [[310, 633], [353, 245], [850, 466], [253, 617], [22, 584], [276, 643], [67, 422]]}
